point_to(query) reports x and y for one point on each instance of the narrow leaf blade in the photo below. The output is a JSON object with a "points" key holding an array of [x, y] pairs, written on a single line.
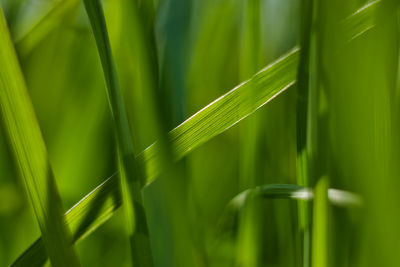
{"points": [[21, 125]]}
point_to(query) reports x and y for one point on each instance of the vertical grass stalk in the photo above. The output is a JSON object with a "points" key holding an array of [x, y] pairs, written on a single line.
{"points": [[247, 243], [302, 114], [132, 176], [320, 224]]}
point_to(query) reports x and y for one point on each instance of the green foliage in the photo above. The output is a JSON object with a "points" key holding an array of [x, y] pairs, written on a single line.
{"points": [[40, 29], [132, 177], [21, 125], [213, 191]]}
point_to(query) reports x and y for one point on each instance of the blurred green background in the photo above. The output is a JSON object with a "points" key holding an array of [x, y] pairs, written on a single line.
{"points": [[205, 48]]}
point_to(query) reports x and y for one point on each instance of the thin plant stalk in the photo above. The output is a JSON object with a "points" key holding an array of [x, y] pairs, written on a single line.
{"points": [[302, 105], [248, 250], [132, 177]]}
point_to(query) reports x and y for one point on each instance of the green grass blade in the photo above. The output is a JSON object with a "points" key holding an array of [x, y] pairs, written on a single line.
{"points": [[227, 110], [361, 20], [132, 177], [184, 143], [21, 125], [97, 21], [320, 224], [303, 161], [279, 191], [248, 250], [289, 191], [45, 25], [83, 218]]}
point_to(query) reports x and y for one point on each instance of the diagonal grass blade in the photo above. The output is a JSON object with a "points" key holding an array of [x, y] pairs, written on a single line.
{"points": [[83, 218], [30, 153]]}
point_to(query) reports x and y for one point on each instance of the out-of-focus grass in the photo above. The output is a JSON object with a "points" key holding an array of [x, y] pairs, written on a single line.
{"points": [[175, 57]]}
